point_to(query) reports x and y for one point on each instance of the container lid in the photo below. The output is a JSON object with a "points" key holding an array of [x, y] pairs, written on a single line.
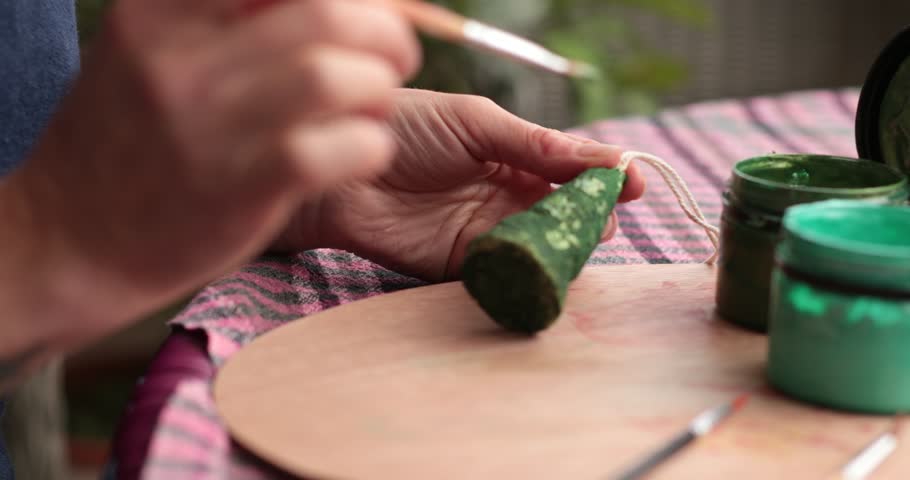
{"points": [[849, 243], [773, 183], [883, 114]]}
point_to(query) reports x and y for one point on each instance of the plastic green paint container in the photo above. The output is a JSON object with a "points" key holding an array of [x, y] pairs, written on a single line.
{"points": [[840, 307], [762, 189], [760, 192]]}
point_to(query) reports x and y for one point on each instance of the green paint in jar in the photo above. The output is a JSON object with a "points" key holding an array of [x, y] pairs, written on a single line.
{"points": [[760, 192], [840, 307], [763, 188]]}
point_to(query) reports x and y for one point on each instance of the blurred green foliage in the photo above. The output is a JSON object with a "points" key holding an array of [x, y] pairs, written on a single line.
{"points": [[633, 74]]}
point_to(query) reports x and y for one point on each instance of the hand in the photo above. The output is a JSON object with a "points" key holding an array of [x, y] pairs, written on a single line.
{"points": [[463, 165], [194, 133]]}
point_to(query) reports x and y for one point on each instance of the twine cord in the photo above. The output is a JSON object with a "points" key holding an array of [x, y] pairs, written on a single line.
{"points": [[681, 191]]}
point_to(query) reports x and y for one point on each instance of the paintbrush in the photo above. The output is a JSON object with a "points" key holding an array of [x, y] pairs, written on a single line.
{"points": [[444, 24], [700, 426], [873, 455]]}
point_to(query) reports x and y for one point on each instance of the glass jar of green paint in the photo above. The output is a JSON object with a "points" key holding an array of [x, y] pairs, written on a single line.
{"points": [[762, 189], [760, 192], [840, 307]]}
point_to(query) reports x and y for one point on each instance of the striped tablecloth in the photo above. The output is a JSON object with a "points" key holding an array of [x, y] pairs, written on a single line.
{"points": [[701, 141]]}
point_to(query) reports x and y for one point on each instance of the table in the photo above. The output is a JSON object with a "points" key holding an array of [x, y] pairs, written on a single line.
{"points": [[171, 430]]}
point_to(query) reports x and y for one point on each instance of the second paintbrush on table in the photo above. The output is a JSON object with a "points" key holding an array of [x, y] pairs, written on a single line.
{"points": [[702, 425]]}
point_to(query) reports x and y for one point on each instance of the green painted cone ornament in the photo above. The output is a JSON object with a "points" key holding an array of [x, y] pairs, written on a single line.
{"points": [[519, 272]]}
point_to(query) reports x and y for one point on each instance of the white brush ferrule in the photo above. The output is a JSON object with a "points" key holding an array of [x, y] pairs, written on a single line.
{"points": [[496, 40], [706, 422]]}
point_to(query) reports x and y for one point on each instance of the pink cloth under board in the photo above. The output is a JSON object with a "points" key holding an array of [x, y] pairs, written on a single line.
{"points": [[702, 141]]}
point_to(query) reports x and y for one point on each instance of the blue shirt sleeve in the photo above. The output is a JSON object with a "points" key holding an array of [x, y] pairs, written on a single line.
{"points": [[39, 57]]}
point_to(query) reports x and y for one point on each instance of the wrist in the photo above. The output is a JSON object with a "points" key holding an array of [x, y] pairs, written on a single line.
{"points": [[53, 298], [24, 273]]}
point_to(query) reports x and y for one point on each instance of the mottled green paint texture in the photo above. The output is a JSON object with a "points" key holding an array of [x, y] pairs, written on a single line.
{"points": [[520, 271]]}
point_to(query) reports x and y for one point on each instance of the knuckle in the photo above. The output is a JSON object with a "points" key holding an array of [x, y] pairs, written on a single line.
{"points": [[413, 60], [329, 16], [381, 105], [371, 143], [287, 145], [295, 152], [548, 141], [467, 106], [369, 27], [320, 156], [314, 70], [171, 83], [407, 48], [380, 142], [385, 77], [335, 81], [478, 103]]}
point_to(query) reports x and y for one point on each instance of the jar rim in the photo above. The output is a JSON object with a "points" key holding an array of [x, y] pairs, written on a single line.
{"points": [[899, 178], [795, 223], [850, 241]]}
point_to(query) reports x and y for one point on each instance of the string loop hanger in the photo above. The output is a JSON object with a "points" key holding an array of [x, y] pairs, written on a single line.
{"points": [[681, 191]]}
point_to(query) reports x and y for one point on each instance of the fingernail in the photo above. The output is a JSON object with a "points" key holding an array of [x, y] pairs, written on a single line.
{"points": [[598, 151]]}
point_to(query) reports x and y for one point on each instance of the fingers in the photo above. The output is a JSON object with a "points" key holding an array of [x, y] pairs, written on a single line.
{"points": [[310, 60], [555, 156], [348, 24], [347, 149], [550, 154], [316, 84]]}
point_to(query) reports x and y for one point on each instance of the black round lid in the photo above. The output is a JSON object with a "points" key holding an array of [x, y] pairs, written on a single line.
{"points": [[883, 114]]}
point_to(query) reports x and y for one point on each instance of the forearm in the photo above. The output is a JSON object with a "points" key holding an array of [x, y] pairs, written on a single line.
{"points": [[51, 304], [26, 339]]}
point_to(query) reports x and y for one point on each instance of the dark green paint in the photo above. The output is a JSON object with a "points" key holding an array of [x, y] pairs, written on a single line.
{"points": [[520, 271], [840, 337], [761, 190]]}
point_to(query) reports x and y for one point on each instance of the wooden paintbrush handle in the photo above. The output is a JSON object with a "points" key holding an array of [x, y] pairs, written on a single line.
{"points": [[431, 19], [447, 25]]}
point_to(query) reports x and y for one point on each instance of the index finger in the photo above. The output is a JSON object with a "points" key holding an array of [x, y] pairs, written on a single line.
{"points": [[555, 156]]}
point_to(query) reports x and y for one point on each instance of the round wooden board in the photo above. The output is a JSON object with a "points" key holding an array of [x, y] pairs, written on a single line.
{"points": [[421, 384]]}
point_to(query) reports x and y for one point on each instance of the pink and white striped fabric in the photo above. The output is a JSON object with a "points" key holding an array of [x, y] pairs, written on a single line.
{"points": [[701, 141]]}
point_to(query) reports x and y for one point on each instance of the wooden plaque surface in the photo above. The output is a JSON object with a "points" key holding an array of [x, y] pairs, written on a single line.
{"points": [[421, 384]]}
